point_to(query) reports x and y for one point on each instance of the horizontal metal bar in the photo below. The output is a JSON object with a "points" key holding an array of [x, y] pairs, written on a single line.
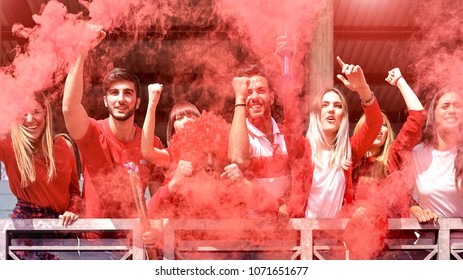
{"points": [[69, 248]]}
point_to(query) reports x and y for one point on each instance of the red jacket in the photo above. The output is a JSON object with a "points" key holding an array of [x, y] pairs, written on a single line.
{"points": [[302, 166]]}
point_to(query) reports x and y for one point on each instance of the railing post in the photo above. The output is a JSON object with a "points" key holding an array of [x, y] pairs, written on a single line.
{"points": [[443, 240], [138, 246], [169, 242], [3, 238], [306, 245]]}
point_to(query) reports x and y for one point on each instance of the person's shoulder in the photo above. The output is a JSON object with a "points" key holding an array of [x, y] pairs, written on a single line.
{"points": [[101, 126], [104, 123], [63, 140], [420, 148], [96, 125]]}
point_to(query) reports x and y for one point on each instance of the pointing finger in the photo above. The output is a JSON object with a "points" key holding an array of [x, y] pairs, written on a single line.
{"points": [[340, 62]]}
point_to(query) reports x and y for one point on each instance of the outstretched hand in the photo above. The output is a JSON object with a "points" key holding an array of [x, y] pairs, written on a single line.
{"points": [[354, 78]]}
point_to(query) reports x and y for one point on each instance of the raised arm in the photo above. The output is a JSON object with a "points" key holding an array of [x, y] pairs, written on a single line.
{"points": [[239, 148], [356, 81], [75, 116], [395, 78], [74, 113], [156, 156], [411, 131]]}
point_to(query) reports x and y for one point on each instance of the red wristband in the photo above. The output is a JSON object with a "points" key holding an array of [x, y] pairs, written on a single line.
{"points": [[396, 81]]}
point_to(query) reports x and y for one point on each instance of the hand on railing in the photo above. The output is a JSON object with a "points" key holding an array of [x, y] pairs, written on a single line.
{"points": [[68, 218], [423, 215]]}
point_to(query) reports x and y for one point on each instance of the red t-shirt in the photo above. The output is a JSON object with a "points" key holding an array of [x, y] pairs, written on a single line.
{"points": [[107, 192], [61, 194]]}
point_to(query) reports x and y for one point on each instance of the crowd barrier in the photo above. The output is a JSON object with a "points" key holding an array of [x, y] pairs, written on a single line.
{"points": [[39, 235], [298, 239]]}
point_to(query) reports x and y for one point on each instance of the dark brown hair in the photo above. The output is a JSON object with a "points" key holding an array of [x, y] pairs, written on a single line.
{"points": [[121, 74]]}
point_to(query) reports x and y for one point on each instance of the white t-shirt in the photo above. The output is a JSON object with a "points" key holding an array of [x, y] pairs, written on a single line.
{"points": [[434, 175], [269, 156], [327, 191]]}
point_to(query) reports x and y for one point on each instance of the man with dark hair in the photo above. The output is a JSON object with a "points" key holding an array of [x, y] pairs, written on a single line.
{"points": [[107, 145], [256, 144]]}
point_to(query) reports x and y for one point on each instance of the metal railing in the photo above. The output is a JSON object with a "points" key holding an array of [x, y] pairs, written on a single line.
{"points": [[316, 238], [305, 239], [37, 235]]}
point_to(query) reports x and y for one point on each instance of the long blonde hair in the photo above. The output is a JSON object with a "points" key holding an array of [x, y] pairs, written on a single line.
{"points": [[379, 167], [24, 147], [341, 150]]}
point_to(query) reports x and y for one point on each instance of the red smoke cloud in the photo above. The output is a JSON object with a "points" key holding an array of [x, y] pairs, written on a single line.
{"points": [[238, 32], [260, 22], [435, 54]]}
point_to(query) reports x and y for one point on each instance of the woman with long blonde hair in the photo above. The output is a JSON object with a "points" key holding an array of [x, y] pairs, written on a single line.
{"points": [[388, 153], [322, 163], [379, 191], [41, 167]]}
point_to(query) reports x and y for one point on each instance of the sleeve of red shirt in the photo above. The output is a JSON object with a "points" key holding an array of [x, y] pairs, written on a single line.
{"points": [[361, 141], [408, 137]]}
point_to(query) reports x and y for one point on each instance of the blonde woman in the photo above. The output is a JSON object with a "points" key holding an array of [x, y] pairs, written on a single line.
{"points": [[322, 162], [388, 153], [41, 167], [380, 192]]}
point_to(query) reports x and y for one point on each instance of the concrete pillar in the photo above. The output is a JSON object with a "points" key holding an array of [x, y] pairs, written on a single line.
{"points": [[321, 57]]}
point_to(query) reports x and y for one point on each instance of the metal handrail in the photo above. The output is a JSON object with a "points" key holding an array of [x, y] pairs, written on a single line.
{"points": [[443, 247], [308, 247], [134, 246]]}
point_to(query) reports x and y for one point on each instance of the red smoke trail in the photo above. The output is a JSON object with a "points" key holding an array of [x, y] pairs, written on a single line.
{"points": [[58, 37], [207, 196], [365, 235], [135, 26], [260, 22], [139, 28]]}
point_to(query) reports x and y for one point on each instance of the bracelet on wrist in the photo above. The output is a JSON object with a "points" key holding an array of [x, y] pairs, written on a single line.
{"points": [[369, 99], [396, 81], [240, 104]]}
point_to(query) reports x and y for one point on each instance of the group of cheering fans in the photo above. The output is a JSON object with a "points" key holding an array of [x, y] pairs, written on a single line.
{"points": [[254, 167]]}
